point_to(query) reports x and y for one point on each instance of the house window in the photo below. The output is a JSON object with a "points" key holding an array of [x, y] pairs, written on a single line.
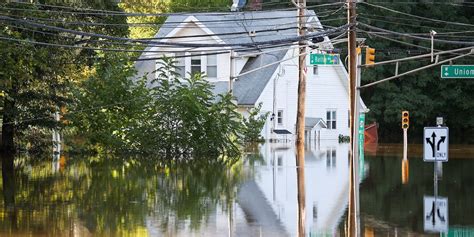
{"points": [[331, 118], [280, 117], [195, 64], [331, 157], [315, 70], [180, 65], [212, 66]]}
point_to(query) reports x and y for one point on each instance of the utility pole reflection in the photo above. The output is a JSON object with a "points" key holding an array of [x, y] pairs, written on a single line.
{"points": [[405, 171], [301, 191]]}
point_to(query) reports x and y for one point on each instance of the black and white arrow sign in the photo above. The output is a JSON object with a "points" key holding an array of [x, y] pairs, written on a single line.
{"points": [[435, 144]]}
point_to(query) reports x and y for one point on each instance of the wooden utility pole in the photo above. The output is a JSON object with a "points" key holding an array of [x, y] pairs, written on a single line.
{"points": [[300, 115], [352, 212]]}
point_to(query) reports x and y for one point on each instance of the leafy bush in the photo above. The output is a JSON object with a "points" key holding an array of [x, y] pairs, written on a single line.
{"points": [[176, 117], [254, 124]]}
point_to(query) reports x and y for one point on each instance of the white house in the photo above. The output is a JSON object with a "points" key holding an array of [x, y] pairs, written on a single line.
{"points": [[268, 76]]}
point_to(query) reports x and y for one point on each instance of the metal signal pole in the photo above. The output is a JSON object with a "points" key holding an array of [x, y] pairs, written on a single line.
{"points": [[352, 68]]}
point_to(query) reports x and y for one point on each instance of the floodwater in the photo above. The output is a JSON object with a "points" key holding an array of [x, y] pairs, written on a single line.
{"points": [[257, 196]]}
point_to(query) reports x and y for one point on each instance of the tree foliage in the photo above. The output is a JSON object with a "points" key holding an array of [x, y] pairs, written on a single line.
{"points": [[36, 79], [173, 116], [254, 124], [424, 93]]}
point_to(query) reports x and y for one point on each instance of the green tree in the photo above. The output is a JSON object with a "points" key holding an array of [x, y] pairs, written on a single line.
{"points": [[36, 79], [424, 94], [174, 116], [254, 124]]}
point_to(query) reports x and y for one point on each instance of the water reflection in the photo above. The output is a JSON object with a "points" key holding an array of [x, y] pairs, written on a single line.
{"points": [[391, 207], [405, 171], [326, 180], [112, 196]]}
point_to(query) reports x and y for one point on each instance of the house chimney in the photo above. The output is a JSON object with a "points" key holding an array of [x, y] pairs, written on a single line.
{"points": [[237, 5]]}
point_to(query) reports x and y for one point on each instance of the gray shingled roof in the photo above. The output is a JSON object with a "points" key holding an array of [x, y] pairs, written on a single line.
{"points": [[247, 88]]}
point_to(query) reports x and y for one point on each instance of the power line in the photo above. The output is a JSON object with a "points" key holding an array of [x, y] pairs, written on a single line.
{"points": [[414, 36], [119, 13], [419, 17], [220, 21], [463, 4], [150, 42], [415, 70], [215, 34]]}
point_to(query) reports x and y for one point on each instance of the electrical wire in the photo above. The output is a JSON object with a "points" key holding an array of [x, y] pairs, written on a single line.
{"points": [[119, 13], [414, 36], [150, 42], [419, 17]]}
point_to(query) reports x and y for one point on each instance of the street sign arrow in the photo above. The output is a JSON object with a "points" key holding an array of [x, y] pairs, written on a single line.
{"points": [[435, 144]]}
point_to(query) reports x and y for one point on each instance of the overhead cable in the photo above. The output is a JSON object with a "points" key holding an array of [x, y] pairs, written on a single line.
{"points": [[151, 42], [419, 17], [414, 36], [119, 13]]}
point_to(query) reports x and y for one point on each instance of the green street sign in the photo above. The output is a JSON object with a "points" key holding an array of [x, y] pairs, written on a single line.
{"points": [[457, 71], [323, 59], [361, 145]]}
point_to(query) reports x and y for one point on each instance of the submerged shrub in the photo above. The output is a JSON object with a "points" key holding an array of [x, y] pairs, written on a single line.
{"points": [[173, 116]]}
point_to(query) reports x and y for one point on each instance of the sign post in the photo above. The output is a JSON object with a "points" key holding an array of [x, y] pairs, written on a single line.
{"points": [[435, 149], [457, 71]]}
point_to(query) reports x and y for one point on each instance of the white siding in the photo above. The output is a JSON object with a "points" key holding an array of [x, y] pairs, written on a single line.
{"points": [[327, 90], [323, 91]]}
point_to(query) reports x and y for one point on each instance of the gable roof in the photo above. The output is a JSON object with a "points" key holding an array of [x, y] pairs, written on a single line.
{"points": [[247, 88], [253, 21], [310, 122]]}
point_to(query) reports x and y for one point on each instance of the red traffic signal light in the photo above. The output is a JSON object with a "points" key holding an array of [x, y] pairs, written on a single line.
{"points": [[405, 119]]}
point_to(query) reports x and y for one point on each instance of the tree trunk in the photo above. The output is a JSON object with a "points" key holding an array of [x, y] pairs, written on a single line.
{"points": [[8, 127], [8, 179]]}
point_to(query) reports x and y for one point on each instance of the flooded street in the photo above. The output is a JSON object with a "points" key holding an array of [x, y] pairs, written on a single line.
{"points": [[257, 196]]}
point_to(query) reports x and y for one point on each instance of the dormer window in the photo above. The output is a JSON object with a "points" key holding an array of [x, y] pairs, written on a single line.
{"points": [[181, 64], [211, 66], [195, 63]]}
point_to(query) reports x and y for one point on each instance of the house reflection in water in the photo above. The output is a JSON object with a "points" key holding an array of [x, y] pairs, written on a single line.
{"points": [[275, 187]]}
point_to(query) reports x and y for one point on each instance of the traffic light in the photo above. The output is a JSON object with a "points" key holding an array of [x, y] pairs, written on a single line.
{"points": [[405, 119], [369, 56]]}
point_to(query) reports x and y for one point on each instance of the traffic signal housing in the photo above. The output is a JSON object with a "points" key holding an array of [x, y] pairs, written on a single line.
{"points": [[405, 119], [369, 56]]}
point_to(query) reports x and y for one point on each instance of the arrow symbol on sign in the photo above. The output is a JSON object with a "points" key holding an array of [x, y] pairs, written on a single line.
{"points": [[443, 138], [432, 142]]}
